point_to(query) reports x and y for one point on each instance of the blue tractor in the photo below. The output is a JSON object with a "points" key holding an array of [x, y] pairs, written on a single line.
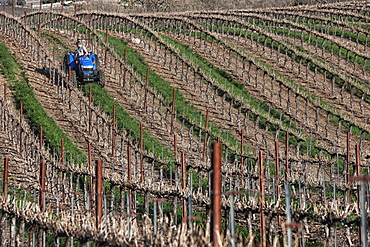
{"points": [[86, 68]]}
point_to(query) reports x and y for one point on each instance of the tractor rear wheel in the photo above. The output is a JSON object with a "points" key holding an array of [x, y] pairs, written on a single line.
{"points": [[101, 78]]}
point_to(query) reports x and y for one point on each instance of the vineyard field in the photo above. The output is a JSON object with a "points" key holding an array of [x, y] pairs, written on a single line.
{"points": [[245, 127]]}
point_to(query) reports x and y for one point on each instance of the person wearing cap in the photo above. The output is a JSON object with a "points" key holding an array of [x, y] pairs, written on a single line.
{"points": [[81, 50]]}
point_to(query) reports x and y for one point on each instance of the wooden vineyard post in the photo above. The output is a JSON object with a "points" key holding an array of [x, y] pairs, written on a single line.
{"points": [[21, 129], [113, 129], [277, 170], [42, 186], [89, 160], [54, 50], [5, 88], [205, 136], [358, 173], [129, 177], [242, 147], [173, 109], [62, 152], [106, 49], [141, 155], [348, 170], [146, 88], [124, 67], [41, 137], [287, 157], [175, 147], [216, 196], [183, 186], [99, 192], [262, 199], [90, 20], [358, 165], [5, 178], [277, 176]]}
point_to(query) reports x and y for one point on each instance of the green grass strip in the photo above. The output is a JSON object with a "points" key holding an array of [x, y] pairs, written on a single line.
{"points": [[182, 106], [238, 90], [124, 120], [33, 110]]}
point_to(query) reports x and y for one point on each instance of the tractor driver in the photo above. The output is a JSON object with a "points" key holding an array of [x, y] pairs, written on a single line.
{"points": [[81, 50]]}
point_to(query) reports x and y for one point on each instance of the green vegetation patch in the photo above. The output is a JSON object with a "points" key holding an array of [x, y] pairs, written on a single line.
{"points": [[185, 111], [124, 120], [33, 110]]}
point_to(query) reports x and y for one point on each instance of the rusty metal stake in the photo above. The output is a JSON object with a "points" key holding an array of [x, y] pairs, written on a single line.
{"points": [[358, 162], [287, 157], [113, 129], [277, 168], [262, 199], [205, 136], [173, 109], [242, 147], [41, 137], [21, 129], [62, 152], [5, 93], [99, 192], [124, 67], [42, 186], [183, 186], [106, 49], [216, 196], [141, 155], [175, 147], [277, 175], [129, 177], [54, 50], [348, 171], [90, 20], [89, 160], [146, 88]]}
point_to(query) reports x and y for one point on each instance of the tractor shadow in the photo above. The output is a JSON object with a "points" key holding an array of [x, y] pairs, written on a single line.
{"points": [[56, 78]]}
